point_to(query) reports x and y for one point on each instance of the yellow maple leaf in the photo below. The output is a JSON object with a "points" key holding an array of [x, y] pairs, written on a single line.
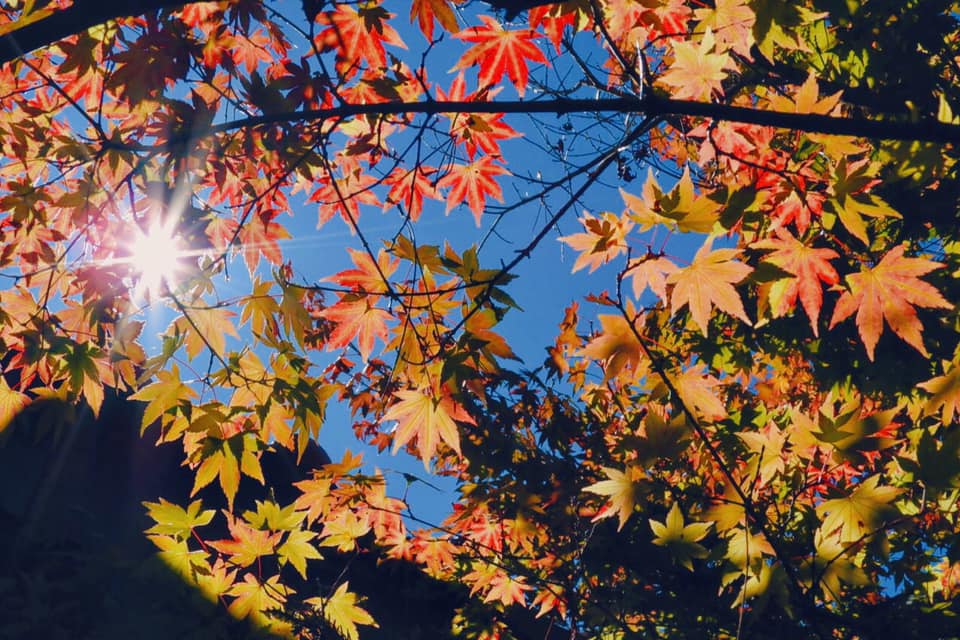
{"points": [[681, 539], [861, 513], [11, 403], [341, 611], [620, 488]]}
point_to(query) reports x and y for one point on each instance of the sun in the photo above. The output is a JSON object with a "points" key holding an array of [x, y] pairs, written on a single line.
{"points": [[155, 257]]}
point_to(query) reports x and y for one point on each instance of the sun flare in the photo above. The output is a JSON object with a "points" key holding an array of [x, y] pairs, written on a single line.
{"points": [[155, 256]]}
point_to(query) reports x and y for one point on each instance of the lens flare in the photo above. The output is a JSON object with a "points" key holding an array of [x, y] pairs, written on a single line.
{"points": [[155, 256]]}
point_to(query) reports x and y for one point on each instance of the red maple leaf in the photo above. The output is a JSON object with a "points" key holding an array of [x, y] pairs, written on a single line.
{"points": [[498, 51], [409, 188], [357, 35], [472, 183], [810, 267], [477, 130]]}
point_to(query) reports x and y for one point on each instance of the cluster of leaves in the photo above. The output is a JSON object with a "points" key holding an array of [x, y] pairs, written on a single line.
{"points": [[771, 417]]}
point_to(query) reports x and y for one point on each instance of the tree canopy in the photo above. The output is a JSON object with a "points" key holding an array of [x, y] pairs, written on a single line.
{"points": [[748, 428]]}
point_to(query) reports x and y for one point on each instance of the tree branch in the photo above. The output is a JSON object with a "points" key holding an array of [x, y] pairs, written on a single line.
{"points": [[77, 18], [652, 106]]}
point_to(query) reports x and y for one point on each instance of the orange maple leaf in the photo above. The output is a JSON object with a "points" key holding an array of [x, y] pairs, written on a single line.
{"points": [[696, 390], [357, 318], [890, 291], [696, 73], [425, 11], [603, 240], [428, 418], [651, 271], [810, 267], [617, 346], [369, 276], [259, 236], [499, 51], [473, 183], [247, 544], [708, 282]]}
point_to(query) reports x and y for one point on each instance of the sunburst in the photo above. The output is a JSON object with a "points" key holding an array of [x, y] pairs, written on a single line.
{"points": [[156, 257]]}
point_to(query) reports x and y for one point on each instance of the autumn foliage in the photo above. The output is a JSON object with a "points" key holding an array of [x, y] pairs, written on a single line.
{"points": [[748, 429]]}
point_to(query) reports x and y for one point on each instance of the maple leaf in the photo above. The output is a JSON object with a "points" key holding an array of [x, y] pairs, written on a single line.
{"points": [[343, 196], [810, 267], [218, 459], [692, 212], [260, 237], [204, 327], [342, 612], [651, 272], [343, 531], [356, 317], [369, 276], [708, 282], [621, 491], [681, 540], [357, 35], [767, 444], [473, 183], [296, 550], [696, 73], [409, 188], [246, 544], [889, 291], [807, 99], [426, 11], [603, 240], [616, 345], [164, 394], [173, 520], [11, 403], [428, 418], [498, 51], [499, 585], [644, 209], [732, 24], [179, 557], [695, 388], [476, 131], [260, 309], [944, 394], [859, 514], [254, 598]]}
